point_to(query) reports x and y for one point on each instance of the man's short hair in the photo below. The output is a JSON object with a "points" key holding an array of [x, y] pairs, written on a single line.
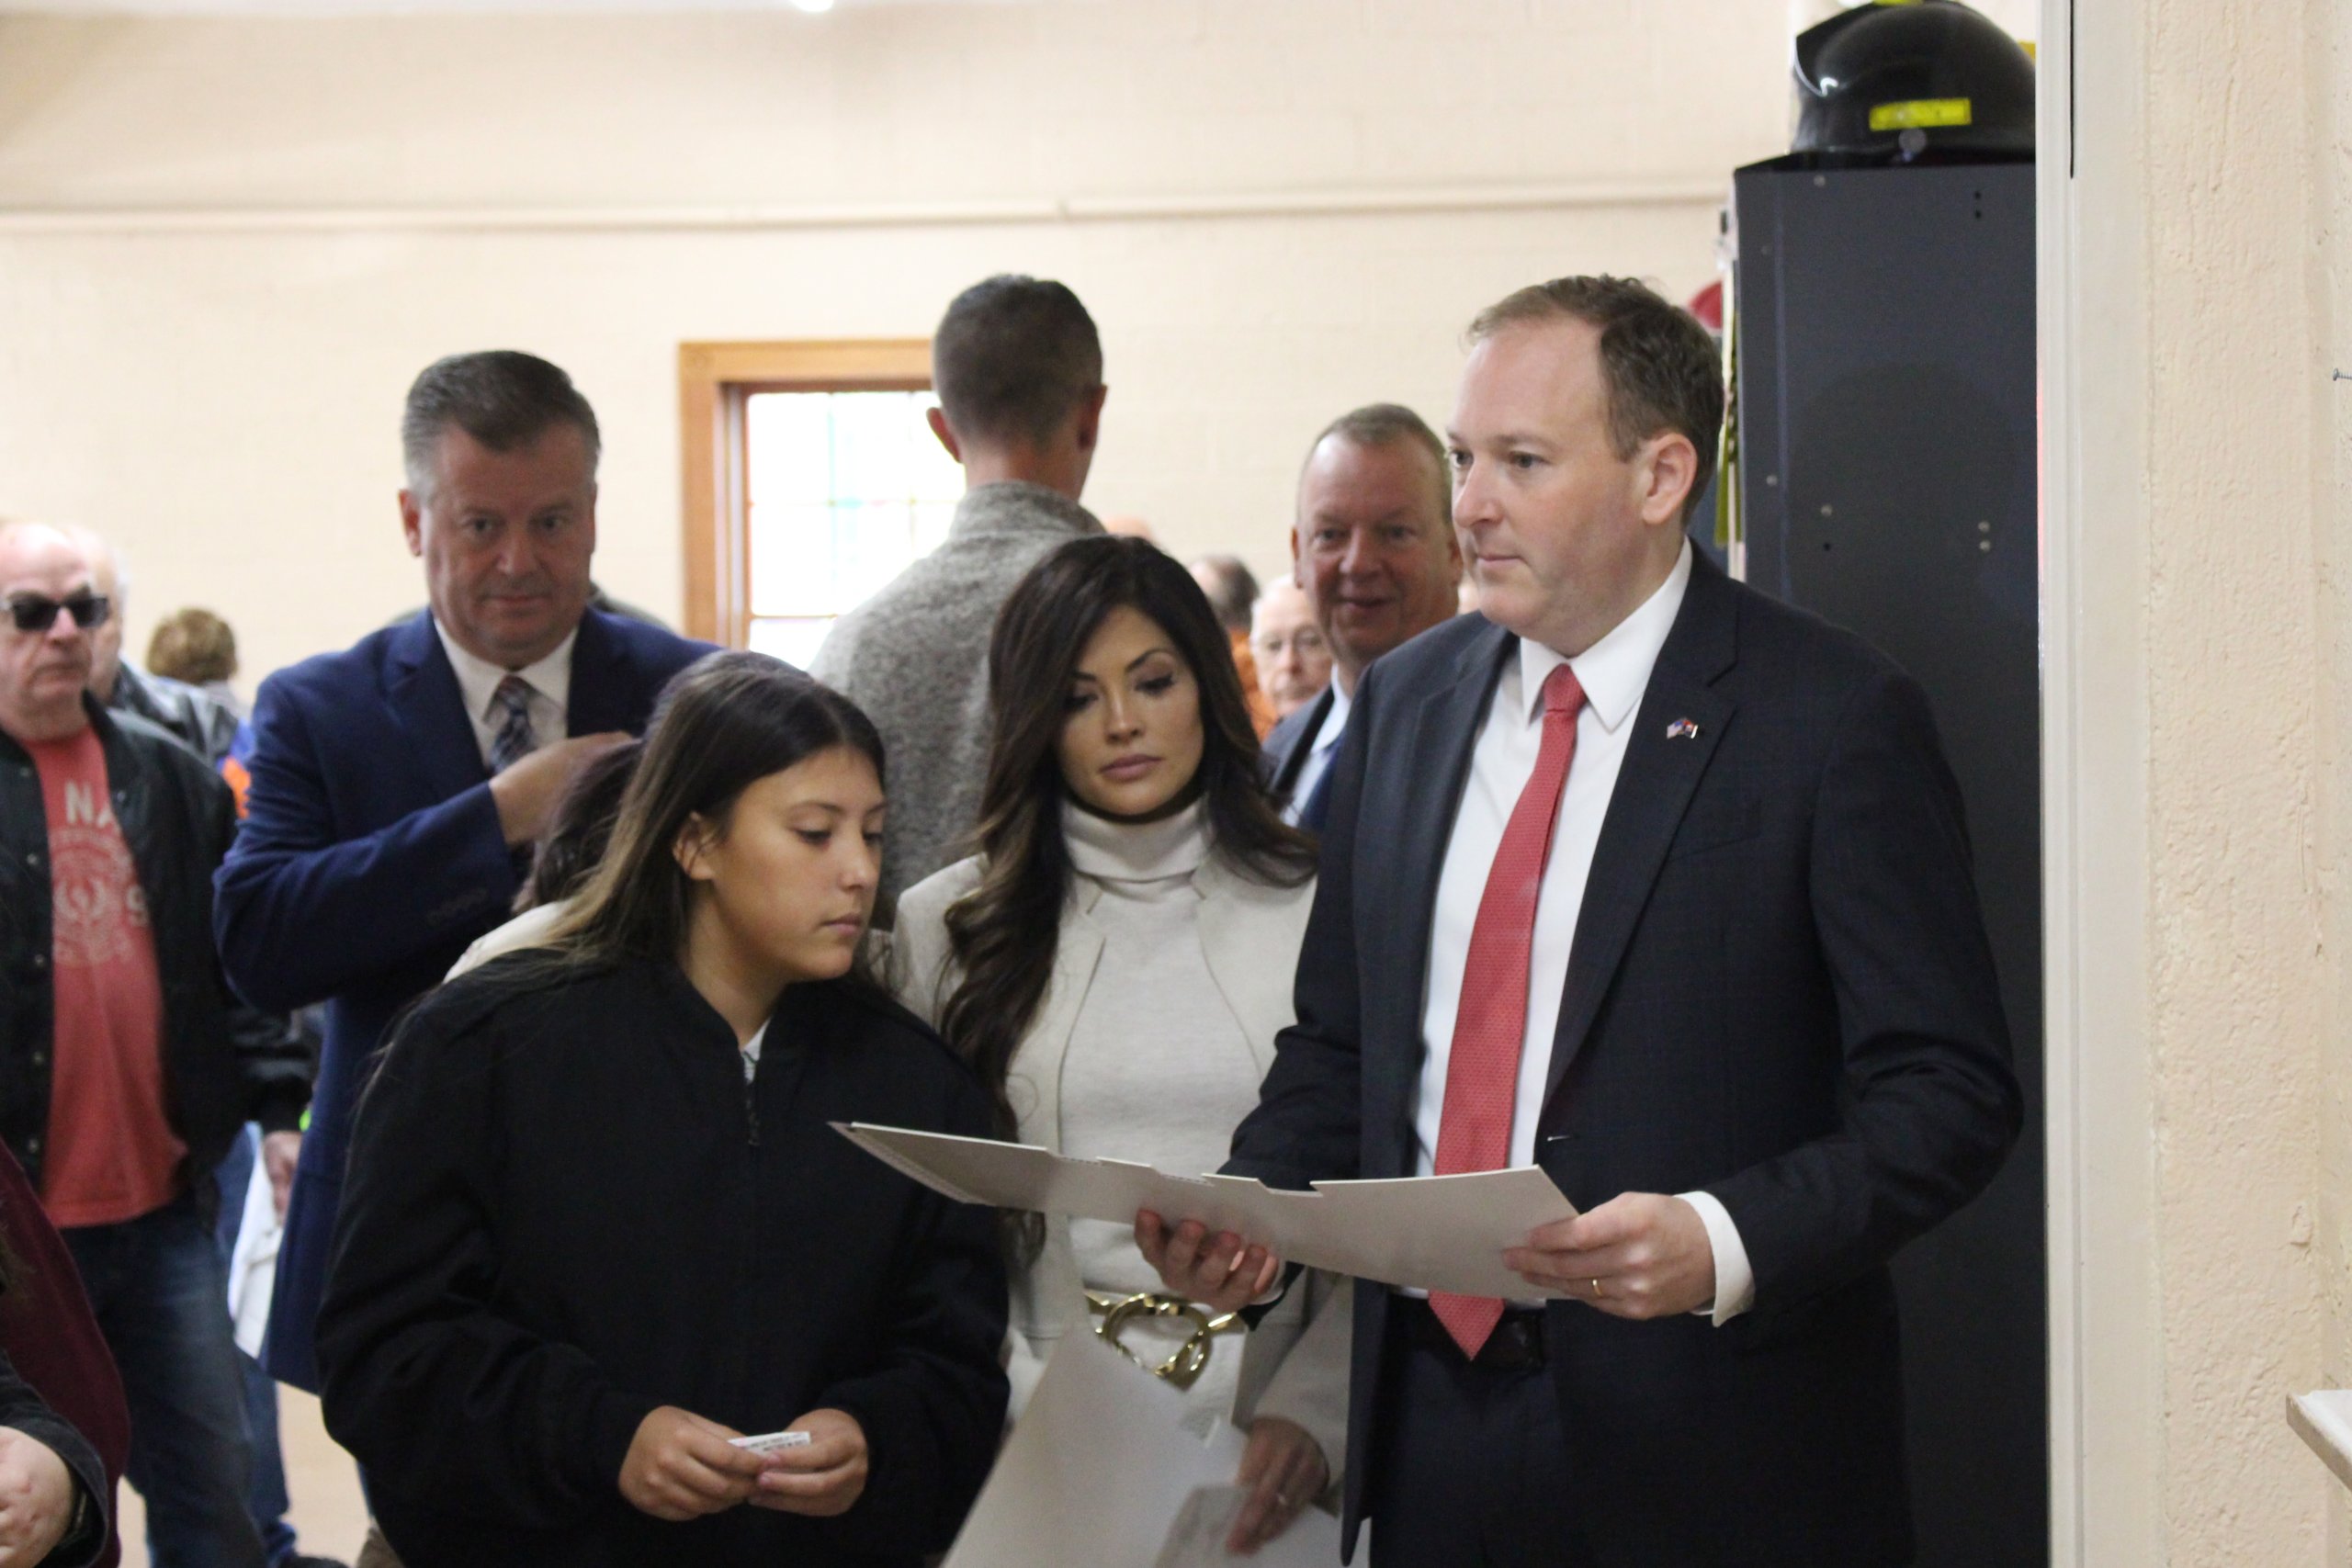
{"points": [[1231, 588], [1013, 357], [1391, 425], [501, 398], [1661, 369]]}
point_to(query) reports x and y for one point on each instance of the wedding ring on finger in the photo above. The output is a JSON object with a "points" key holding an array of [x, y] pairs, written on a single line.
{"points": [[1597, 1292]]}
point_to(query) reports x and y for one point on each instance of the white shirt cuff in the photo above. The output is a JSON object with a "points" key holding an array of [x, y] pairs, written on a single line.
{"points": [[1735, 1280]]}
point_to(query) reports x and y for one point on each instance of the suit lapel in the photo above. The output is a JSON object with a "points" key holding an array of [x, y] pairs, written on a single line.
{"points": [[1655, 783], [1444, 733], [423, 691]]}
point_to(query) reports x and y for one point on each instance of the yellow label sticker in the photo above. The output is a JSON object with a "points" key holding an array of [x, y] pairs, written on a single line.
{"points": [[1923, 113]]}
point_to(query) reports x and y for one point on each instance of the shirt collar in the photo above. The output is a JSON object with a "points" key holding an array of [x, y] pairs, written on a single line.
{"points": [[1335, 721], [1020, 507], [1615, 670], [477, 679]]}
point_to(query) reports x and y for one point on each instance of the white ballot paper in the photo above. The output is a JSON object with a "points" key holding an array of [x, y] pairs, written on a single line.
{"points": [[1100, 1472], [1434, 1233]]}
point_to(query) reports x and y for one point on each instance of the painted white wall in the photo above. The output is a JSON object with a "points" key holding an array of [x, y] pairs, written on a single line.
{"points": [[217, 384]]}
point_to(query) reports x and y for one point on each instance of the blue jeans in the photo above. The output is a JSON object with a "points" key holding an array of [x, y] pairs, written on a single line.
{"points": [[267, 1501], [161, 1297]]}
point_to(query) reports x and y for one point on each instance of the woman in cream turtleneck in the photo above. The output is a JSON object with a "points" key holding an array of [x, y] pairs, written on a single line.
{"points": [[1115, 963]]}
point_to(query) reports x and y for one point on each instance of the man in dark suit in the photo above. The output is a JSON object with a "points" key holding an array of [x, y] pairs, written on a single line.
{"points": [[1372, 548], [397, 785], [1664, 887]]}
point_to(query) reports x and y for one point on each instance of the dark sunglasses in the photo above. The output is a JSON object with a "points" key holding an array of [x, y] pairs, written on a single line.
{"points": [[37, 613]]}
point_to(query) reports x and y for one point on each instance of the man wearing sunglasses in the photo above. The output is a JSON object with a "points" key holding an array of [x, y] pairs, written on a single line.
{"points": [[200, 720], [126, 1065]]}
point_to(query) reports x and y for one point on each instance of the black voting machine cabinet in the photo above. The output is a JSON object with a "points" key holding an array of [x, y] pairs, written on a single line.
{"points": [[1884, 320]]}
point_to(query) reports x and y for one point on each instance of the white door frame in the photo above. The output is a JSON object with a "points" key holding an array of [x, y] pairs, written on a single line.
{"points": [[2105, 1346]]}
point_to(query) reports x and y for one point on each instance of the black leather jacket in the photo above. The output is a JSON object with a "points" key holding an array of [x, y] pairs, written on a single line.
{"points": [[223, 1063], [194, 716]]}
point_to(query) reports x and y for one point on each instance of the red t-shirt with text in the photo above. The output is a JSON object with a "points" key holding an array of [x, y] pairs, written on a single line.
{"points": [[112, 1154]]}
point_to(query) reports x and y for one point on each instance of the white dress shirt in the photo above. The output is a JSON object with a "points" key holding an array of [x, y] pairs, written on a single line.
{"points": [[477, 679], [1320, 748], [1613, 672]]}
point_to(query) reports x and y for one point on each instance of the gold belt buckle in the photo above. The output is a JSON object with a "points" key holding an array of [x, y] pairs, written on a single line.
{"points": [[1181, 1368]]}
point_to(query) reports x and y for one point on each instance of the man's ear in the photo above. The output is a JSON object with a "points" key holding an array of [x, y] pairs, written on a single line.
{"points": [[1087, 428], [1667, 474], [937, 418], [412, 520], [692, 848]]}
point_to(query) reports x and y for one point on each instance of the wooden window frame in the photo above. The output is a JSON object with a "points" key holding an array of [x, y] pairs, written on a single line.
{"points": [[715, 381]]}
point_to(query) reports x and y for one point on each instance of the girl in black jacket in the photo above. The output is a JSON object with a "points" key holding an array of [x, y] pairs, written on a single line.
{"points": [[596, 1224]]}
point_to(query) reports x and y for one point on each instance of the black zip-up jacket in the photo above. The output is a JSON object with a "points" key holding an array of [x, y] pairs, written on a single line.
{"points": [[23, 1410], [565, 1206], [224, 1064]]}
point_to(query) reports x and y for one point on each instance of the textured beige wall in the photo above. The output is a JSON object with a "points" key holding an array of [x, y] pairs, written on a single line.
{"points": [[224, 401], [2330, 70], [2244, 794]]}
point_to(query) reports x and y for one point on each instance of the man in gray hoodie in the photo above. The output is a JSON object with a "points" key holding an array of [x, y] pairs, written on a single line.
{"points": [[1019, 371]]}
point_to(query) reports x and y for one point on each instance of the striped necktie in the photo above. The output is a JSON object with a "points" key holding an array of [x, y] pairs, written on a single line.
{"points": [[513, 741]]}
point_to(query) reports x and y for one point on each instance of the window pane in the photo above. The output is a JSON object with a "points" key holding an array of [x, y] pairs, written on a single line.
{"points": [[846, 491], [790, 441], [875, 546], [871, 449], [796, 561]]}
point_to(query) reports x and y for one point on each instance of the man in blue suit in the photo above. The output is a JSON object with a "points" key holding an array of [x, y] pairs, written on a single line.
{"points": [[398, 785]]}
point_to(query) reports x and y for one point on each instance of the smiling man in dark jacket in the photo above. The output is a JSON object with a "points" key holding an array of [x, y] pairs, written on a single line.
{"points": [[125, 1067]]}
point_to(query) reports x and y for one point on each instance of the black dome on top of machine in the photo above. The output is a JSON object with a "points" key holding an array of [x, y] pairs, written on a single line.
{"points": [[1911, 81]]}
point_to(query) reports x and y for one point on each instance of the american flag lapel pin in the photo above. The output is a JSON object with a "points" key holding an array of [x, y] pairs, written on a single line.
{"points": [[1682, 729]]}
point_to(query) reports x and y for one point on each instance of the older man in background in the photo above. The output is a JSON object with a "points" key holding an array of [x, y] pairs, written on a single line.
{"points": [[203, 722], [1019, 370], [1293, 661], [125, 1066], [398, 785], [1376, 553]]}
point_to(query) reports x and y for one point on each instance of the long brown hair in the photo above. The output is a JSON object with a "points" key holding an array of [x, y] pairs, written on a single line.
{"points": [[722, 725], [1005, 932]]}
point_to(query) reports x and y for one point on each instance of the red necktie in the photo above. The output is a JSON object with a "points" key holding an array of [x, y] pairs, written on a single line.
{"points": [[1482, 1073]]}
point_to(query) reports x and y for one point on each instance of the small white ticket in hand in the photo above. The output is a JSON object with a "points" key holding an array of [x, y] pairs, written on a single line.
{"points": [[772, 1442]]}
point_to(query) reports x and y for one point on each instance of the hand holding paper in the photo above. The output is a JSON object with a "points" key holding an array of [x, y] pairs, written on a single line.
{"points": [[1439, 1232], [1639, 1256], [1221, 1271], [824, 1476]]}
